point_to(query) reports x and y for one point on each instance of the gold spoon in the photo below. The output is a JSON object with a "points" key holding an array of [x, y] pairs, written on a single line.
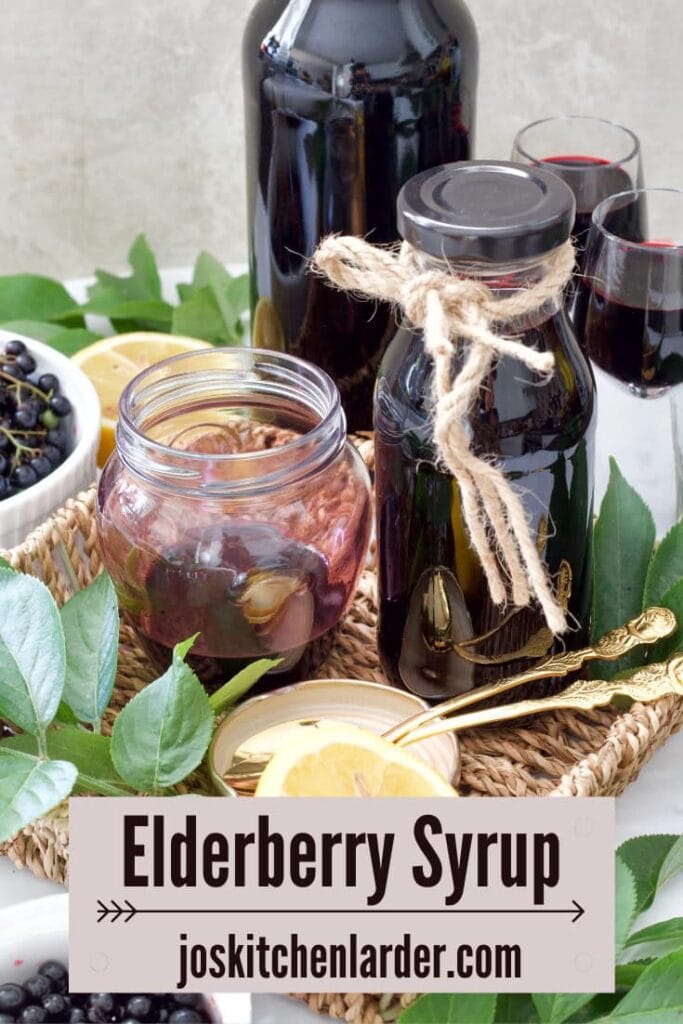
{"points": [[649, 627], [648, 684]]}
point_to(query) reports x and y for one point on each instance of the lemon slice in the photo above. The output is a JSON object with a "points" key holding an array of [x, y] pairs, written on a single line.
{"points": [[334, 759], [113, 362]]}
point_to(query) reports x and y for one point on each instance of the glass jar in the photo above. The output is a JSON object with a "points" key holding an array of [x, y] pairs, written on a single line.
{"points": [[234, 508], [345, 100], [439, 631]]}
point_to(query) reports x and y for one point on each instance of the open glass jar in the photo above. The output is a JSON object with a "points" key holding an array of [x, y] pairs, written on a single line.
{"points": [[234, 508]]}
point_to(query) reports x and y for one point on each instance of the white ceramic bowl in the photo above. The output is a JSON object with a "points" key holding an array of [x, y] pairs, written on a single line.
{"points": [[38, 930], [26, 510]]}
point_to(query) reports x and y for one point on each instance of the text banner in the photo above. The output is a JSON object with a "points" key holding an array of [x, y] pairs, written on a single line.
{"points": [[359, 895]]}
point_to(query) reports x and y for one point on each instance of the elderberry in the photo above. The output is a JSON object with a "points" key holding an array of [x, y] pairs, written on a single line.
{"points": [[25, 418], [48, 382], [41, 466], [23, 477], [26, 362], [60, 405], [45, 997], [15, 348], [51, 452], [34, 430]]}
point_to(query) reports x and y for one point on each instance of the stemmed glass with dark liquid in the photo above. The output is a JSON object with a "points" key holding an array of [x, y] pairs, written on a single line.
{"points": [[595, 157], [629, 319], [629, 311]]}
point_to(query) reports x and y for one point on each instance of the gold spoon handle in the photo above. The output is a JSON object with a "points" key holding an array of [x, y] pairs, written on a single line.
{"points": [[649, 684], [647, 628]]}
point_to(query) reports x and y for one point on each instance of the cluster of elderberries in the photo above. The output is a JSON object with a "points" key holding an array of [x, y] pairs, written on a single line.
{"points": [[34, 438], [45, 999]]}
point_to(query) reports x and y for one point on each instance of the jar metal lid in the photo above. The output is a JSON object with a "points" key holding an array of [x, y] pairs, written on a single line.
{"points": [[486, 210], [246, 739]]}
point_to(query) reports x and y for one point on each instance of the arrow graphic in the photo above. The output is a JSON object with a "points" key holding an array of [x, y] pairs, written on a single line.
{"points": [[114, 911], [579, 912]]}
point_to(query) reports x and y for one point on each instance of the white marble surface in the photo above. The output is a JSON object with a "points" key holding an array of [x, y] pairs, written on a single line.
{"points": [[125, 117]]}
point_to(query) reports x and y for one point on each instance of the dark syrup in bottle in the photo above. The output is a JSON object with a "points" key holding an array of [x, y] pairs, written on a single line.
{"points": [[432, 589], [345, 101]]}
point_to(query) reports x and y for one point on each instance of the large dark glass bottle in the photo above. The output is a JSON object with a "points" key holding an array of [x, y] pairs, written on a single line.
{"points": [[439, 631], [345, 101]]}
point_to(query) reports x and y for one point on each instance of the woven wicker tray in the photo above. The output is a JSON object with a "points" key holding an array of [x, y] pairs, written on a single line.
{"points": [[558, 754]]}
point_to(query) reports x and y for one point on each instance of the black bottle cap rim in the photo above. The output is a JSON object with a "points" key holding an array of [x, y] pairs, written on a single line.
{"points": [[486, 210]]}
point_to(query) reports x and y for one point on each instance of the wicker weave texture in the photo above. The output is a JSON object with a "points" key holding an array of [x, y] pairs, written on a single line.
{"points": [[558, 754]]}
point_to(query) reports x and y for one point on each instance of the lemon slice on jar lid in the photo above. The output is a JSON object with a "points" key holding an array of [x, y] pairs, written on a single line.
{"points": [[338, 760], [112, 363]]}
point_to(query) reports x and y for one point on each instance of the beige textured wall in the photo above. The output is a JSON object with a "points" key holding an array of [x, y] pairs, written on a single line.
{"points": [[118, 116]]}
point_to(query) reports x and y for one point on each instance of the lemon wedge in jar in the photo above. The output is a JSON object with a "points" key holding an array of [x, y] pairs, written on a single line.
{"points": [[112, 363], [342, 760]]}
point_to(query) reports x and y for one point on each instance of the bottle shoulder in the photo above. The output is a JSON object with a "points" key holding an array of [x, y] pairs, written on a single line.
{"points": [[351, 42], [515, 409]]}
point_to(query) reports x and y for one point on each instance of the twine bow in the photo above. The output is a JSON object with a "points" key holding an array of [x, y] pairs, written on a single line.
{"points": [[449, 310]]}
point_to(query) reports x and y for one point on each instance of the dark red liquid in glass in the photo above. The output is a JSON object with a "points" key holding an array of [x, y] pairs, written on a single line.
{"points": [[600, 179], [432, 589], [641, 347], [628, 313]]}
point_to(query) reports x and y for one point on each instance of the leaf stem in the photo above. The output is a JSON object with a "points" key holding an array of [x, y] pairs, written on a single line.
{"points": [[240, 684], [102, 788], [68, 568], [42, 746]]}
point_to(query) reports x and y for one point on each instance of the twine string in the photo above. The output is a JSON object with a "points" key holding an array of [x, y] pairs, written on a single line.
{"points": [[451, 310]]}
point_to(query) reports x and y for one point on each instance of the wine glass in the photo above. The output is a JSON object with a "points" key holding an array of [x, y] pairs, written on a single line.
{"points": [[629, 319], [596, 158], [677, 426]]}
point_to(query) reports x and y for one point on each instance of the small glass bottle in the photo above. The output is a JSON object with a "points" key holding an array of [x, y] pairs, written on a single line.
{"points": [[345, 100], [234, 508], [439, 631]]}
